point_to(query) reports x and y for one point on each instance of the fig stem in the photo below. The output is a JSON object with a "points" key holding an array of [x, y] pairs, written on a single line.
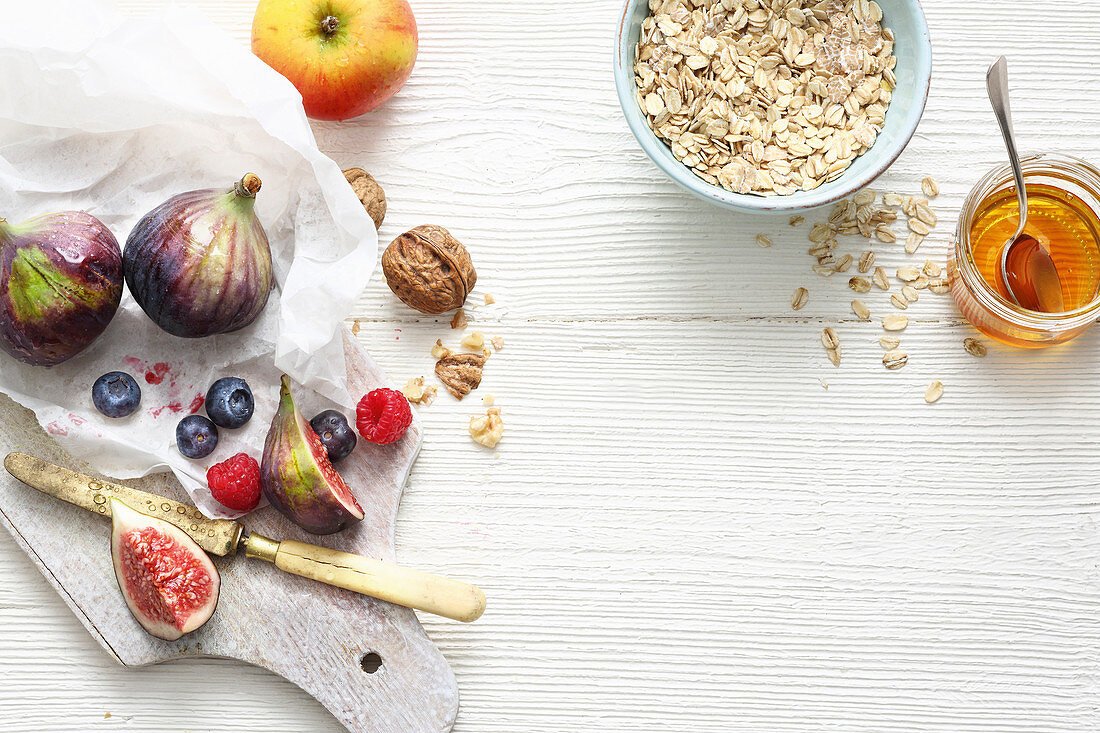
{"points": [[330, 25], [248, 186]]}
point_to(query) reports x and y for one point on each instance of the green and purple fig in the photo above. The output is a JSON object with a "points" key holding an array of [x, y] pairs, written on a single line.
{"points": [[60, 285], [199, 264], [297, 477]]}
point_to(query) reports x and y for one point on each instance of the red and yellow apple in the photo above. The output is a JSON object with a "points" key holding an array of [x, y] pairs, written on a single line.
{"points": [[345, 57]]}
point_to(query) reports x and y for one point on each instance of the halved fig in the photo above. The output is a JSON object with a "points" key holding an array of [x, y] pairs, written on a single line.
{"points": [[297, 477], [169, 583]]}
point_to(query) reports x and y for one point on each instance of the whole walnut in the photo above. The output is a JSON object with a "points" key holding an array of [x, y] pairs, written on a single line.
{"points": [[429, 270], [369, 192]]}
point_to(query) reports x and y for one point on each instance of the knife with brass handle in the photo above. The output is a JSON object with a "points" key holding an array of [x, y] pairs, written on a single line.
{"points": [[403, 586]]}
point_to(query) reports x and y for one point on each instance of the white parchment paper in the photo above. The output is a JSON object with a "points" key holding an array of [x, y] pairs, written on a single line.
{"points": [[113, 117]]}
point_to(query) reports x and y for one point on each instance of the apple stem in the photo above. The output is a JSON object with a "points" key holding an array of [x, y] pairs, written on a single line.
{"points": [[330, 25]]}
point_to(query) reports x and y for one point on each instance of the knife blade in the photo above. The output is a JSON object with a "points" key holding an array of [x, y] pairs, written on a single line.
{"points": [[216, 536], [403, 586]]}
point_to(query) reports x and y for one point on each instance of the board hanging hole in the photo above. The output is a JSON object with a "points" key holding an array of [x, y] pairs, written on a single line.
{"points": [[370, 662]]}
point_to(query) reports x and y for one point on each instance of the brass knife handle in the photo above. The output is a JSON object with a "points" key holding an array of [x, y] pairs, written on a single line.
{"points": [[403, 586]]}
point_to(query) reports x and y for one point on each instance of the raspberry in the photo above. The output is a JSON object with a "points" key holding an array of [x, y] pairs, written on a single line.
{"points": [[235, 482], [383, 416]]}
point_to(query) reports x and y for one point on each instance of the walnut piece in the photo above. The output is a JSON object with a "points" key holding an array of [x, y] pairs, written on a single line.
{"points": [[498, 342], [474, 340], [487, 429], [415, 392], [429, 270], [459, 320], [439, 350], [369, 192], [460, 373]]}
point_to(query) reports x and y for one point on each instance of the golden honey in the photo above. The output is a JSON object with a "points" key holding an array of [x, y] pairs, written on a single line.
{"points": [[1066, 227], [1063, 201]]}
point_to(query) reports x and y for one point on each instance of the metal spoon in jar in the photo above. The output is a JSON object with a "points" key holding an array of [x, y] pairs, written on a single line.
{"points": [[1025, 268]]}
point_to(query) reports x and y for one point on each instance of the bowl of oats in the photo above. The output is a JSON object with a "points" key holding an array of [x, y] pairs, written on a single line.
{"points": [[773, 105]]}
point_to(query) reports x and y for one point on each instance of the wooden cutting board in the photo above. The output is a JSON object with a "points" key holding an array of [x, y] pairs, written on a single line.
{"points": [[326, 640]]}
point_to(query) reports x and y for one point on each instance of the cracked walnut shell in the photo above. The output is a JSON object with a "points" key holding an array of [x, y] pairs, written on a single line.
{"points": [[369, 192], [460, 373], [429, 270]]}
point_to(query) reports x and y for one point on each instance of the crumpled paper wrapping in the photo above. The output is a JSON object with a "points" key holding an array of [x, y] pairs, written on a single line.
{"points": [[113, 117]]}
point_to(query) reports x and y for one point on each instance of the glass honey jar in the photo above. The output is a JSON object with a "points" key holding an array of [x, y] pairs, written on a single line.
{"points": [[1063, 198]]}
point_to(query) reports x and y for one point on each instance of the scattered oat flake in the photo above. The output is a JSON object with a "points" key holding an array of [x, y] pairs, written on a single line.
{"points": [[939, 286], [866, 261], [899, 301], [932, 269], [891, 199], [796, 220], [913, 242], [459, 320], [798, 300], [885, 234], [931, 189], [895, 322], [908, 273], [489, 300], [834, 355], [880, 280], [895, 359], [763, 240], [859, 284], [910, 293], [974, 347], [934, 392], [889, 343], [843, 264], [861, 310]]}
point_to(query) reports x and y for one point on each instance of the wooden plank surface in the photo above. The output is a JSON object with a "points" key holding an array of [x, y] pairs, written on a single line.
{"points": [[683, 529]]}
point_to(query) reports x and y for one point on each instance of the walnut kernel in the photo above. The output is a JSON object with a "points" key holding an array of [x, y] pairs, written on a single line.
{"points": [[415, 392], [487, 429], [369, 192], [474, 340], [429, 270]]}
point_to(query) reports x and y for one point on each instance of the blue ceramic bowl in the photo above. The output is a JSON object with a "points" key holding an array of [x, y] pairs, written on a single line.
{"points": [[914, 70]]}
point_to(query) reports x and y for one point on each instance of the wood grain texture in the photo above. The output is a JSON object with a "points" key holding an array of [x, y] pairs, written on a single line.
{"points": [[310, 634], [682, 530]]}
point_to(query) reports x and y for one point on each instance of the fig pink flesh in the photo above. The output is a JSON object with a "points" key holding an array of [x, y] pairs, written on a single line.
{"points": [[169, 583]]}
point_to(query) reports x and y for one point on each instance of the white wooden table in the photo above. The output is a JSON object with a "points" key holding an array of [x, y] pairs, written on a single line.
{"points": [[683, 529]]}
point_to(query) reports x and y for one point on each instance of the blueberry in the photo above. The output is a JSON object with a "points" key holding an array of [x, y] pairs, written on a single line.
{"points": [[196, 437], [116, 394], [229, 402], [335, 434]]}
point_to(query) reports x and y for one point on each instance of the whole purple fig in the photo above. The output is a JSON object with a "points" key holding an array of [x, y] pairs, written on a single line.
{"points": [[199, 264], [60, 285]]}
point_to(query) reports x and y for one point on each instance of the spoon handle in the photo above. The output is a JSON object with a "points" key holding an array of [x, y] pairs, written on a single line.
{"points": [[996, 83]]}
